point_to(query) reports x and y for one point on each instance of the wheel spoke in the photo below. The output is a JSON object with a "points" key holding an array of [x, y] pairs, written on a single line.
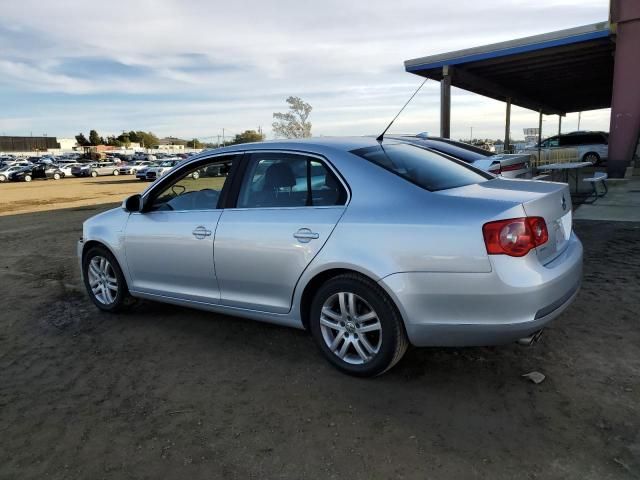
{"points": [[327, 312], [365, 343], [330, 323], [336, 341], [344, 348], [93, 268], [372, 327], [358, 347], [351, 303], [343, 305], [367, 316]]}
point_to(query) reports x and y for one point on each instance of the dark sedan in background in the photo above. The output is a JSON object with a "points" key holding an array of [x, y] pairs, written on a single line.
{"points": [[40, 170], [503, 164]]}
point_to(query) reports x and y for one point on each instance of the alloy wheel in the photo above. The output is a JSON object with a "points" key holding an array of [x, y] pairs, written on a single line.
{"points": [[350, 328], [102, 280]]}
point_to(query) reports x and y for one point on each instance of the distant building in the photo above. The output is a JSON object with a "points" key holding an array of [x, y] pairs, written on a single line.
{"points": [[67, 144], [28, 144], [170, 144]]}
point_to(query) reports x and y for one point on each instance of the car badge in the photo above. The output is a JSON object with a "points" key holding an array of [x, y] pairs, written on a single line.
{"points": [[564, 203]]}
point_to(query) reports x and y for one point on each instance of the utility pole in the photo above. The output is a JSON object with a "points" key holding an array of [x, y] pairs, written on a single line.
{"points": [[223, 137], [471, 136], [579, 115]]}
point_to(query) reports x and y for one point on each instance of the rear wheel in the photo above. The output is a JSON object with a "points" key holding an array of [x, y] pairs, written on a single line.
{"points": [[116, 172], [591, 157], [27, 178], [104, 280], [356, 326], [3, 178], [56, 176], [94, 173]]}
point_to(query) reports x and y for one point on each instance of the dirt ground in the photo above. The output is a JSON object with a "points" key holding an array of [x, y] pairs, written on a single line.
{"points": [[167, 392], [41, 195]]}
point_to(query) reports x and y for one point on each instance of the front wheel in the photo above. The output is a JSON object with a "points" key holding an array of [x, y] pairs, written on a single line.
{"points": [[116, 172], [104, 280], [356, 326], [56, 176], [27, 178], [94, 174], [3, 178]]}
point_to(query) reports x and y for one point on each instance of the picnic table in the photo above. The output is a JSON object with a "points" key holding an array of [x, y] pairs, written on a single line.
{"points": [[567, 167]]}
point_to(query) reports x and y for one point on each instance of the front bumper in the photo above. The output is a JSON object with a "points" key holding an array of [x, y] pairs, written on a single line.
{"points": [[518, 297]]}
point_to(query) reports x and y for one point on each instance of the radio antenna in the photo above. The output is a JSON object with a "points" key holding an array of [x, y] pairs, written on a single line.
{"points": [[381, 136]]}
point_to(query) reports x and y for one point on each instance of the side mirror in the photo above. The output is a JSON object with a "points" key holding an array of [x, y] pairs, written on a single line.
{"points": [[133, 203]]}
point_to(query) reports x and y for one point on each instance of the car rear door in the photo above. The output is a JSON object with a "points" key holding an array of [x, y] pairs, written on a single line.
{"points": [[285, 209], [169, 246]]}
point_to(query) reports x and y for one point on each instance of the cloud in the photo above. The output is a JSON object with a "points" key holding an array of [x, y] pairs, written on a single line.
{"points": [[193, 67]]}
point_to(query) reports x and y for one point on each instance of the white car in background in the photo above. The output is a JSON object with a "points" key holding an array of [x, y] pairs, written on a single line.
{"points": [[66, 168], [133, 167], [165, 166]]}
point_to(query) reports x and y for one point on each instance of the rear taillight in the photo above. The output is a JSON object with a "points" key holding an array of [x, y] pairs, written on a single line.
{"points": [[515, 166], [516, 236]]}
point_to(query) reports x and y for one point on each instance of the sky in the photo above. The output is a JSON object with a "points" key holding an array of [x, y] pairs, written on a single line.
{"points": [[191, 68]]}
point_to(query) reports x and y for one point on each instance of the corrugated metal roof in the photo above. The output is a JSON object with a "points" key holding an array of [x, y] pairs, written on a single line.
{"points": [[558, 72]]}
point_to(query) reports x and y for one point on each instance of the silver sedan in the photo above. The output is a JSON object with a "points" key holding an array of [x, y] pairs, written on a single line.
{"points": [[370, 246]]}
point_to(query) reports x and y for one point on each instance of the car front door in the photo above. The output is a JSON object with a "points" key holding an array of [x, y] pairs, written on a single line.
{"points": [[169, 245], [286, 208]]}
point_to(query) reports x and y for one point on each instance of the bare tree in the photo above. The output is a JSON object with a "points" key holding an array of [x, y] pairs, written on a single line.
{"points": [[293, 124]]}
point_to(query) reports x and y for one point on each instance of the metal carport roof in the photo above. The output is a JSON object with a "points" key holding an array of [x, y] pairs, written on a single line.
{"points": [[559, 72]]}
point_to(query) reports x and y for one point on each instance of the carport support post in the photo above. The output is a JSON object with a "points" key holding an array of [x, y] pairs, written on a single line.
{"points": [[507, 127], [539, 139], [559, 124], [445, 103]]}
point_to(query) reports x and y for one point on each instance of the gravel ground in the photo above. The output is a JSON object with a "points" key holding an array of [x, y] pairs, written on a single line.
{"points": [[167, 392]]}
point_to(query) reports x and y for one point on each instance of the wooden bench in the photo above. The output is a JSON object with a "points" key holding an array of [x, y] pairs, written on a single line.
{"points": [[598, 177]]}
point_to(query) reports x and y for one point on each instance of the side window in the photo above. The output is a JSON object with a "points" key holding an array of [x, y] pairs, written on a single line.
{"points": [[288, 180], [198, 188], [552, 142]]}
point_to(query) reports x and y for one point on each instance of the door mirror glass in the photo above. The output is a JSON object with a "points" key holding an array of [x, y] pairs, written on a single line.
{"points": [[133, 203]]}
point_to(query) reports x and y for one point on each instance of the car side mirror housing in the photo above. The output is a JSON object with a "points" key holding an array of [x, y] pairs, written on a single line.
{"points": [[133, 203]]}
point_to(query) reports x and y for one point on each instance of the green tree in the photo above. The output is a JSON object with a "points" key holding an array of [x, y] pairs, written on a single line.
{"points": [[82, 140], [94, 138], [195, 143], [294, 123], [248, 136], [124, 139], [147, 139]]}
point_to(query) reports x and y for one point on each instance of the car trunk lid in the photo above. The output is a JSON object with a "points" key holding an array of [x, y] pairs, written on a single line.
{"points": [[549, 200]]}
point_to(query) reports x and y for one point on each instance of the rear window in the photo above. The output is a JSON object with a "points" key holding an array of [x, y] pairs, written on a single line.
{"points": [[422, 167]]}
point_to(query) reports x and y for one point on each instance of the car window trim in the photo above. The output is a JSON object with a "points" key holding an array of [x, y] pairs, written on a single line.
{"points": [[242, 171], [165, 180]]}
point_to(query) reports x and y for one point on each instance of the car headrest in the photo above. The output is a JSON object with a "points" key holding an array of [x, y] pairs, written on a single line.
{"points": [[279, 175]]}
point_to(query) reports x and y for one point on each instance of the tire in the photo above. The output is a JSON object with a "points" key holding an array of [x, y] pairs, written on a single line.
{"points": [[3, 178], [591, 157], [331, 325], [195, 175], [27, 178], [105, 297], [94, 174], [116, 172], [56, 176]]}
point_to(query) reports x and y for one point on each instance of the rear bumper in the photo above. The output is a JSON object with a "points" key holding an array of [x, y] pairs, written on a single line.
{"points": [[519, 297]]}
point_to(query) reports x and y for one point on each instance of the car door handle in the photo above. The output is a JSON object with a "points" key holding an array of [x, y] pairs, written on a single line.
{"points": [[201, 232], [305, 235]]}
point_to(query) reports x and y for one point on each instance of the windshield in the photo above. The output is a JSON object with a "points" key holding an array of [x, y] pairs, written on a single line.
{"points": [[422, 167]]}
